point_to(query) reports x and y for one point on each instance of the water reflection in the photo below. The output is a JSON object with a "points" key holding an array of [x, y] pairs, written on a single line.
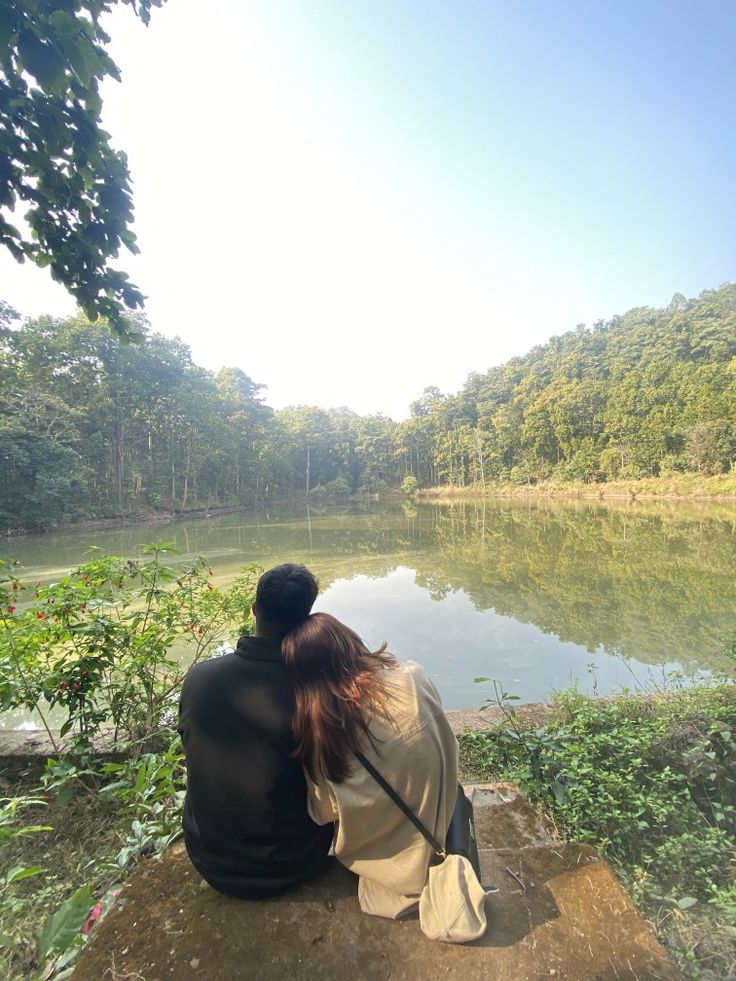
{"points": [[528, 593]]}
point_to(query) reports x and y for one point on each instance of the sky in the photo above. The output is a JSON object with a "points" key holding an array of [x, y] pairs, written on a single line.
{"points": [[354, 200]]}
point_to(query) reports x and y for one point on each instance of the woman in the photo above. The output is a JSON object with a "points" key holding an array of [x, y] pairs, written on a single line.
{"points": [[349, 698]]}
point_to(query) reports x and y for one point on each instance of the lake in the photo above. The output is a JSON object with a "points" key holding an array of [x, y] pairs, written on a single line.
{"points": [[537, 595]]}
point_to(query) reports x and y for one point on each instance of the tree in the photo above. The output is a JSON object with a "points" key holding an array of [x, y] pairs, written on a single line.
{"points": [[702, 447], [430, 398], [54, 156]]}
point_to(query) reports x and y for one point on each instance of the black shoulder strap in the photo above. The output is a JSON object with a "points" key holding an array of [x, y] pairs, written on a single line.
{"points": [[400, 803]]}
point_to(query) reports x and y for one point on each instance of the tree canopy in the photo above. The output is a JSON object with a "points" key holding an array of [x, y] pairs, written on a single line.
{"points": [[90, 427], [55, 159]]}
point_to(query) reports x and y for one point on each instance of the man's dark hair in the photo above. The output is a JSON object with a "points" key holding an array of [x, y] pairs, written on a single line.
{"points": [[285, 594]]}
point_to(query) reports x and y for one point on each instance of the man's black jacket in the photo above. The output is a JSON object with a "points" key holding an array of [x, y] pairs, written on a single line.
{"points": [[246, 826]]}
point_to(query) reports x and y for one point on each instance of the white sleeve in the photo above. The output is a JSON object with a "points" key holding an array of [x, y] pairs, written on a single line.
{"points": [[321, 804]]}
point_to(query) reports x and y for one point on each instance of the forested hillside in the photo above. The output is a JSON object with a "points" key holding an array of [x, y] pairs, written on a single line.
{"points": [[90, 427], [649, 393]]}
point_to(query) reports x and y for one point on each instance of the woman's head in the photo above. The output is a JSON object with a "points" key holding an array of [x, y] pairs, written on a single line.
{"points": [[336, 680]]}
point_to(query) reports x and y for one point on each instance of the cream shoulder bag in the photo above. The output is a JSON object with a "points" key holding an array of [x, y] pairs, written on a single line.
{"points": [[452, 903]]}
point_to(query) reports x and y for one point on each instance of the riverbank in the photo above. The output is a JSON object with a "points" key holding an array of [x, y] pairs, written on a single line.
{"points": [[677, 487], [144, 516], [647, 780]]}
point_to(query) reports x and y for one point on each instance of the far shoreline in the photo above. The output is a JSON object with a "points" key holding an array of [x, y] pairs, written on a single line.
{"points": [[676, 488], [681, 488]]}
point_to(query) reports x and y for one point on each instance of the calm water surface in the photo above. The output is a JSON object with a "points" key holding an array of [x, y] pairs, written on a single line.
{"points": [[537, 596]]}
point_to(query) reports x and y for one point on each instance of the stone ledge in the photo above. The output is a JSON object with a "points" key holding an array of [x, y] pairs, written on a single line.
{"points": [[569, 919], [31, 744]]}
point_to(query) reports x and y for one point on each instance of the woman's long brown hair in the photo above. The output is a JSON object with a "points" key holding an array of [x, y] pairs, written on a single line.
{"points": [[336, 681]]}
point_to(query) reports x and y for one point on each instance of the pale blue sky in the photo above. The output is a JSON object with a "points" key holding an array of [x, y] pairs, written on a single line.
{"points": [[352, 200]]}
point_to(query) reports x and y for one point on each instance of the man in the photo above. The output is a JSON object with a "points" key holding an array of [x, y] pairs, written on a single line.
{"points": [[246, 825]]}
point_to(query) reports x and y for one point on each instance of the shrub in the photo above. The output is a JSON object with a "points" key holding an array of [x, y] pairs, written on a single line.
{"points": [[651, 783], [103, 643]]}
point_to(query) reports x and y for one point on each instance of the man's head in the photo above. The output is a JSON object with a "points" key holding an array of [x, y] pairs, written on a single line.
{"points": [[284, 597]]}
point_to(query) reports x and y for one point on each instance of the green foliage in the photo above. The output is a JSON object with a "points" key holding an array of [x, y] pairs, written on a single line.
{"points": [[100, 644], [147, 793], [646, 393], [651, 782], [150, 790], [12, 825], [88, 427], [55, 158], [409, 484], [63, 928]]}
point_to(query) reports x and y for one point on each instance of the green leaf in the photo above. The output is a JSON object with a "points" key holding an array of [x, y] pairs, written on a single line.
{"points": [[30, 829], [141, 779], [478, 681], [78, 61], [42, 60], [7, 27], [64, 927], [558, 789], [65, 794], [686, 902], [18, 873], [160, 547]]}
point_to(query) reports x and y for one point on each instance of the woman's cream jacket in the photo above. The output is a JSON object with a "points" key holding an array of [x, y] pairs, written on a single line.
{"points": [[417, 754]]}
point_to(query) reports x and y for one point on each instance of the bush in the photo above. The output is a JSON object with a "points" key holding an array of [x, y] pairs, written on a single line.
{"points": [[650, 782], [102, 645], [99, 643]]}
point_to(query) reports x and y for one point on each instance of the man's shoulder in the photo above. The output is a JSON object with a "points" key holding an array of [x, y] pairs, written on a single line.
{"points": [[211, 670]]}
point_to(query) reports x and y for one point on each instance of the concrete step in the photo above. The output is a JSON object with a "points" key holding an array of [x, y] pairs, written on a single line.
{"points": [[562, 914], [504, 818]]}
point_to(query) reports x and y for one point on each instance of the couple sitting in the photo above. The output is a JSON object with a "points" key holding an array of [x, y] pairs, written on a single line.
{"points": [[270, 733]]}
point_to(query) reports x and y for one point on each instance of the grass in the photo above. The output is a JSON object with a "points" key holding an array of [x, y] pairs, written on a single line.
{"points": [[86, 835], [688, 486]]}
